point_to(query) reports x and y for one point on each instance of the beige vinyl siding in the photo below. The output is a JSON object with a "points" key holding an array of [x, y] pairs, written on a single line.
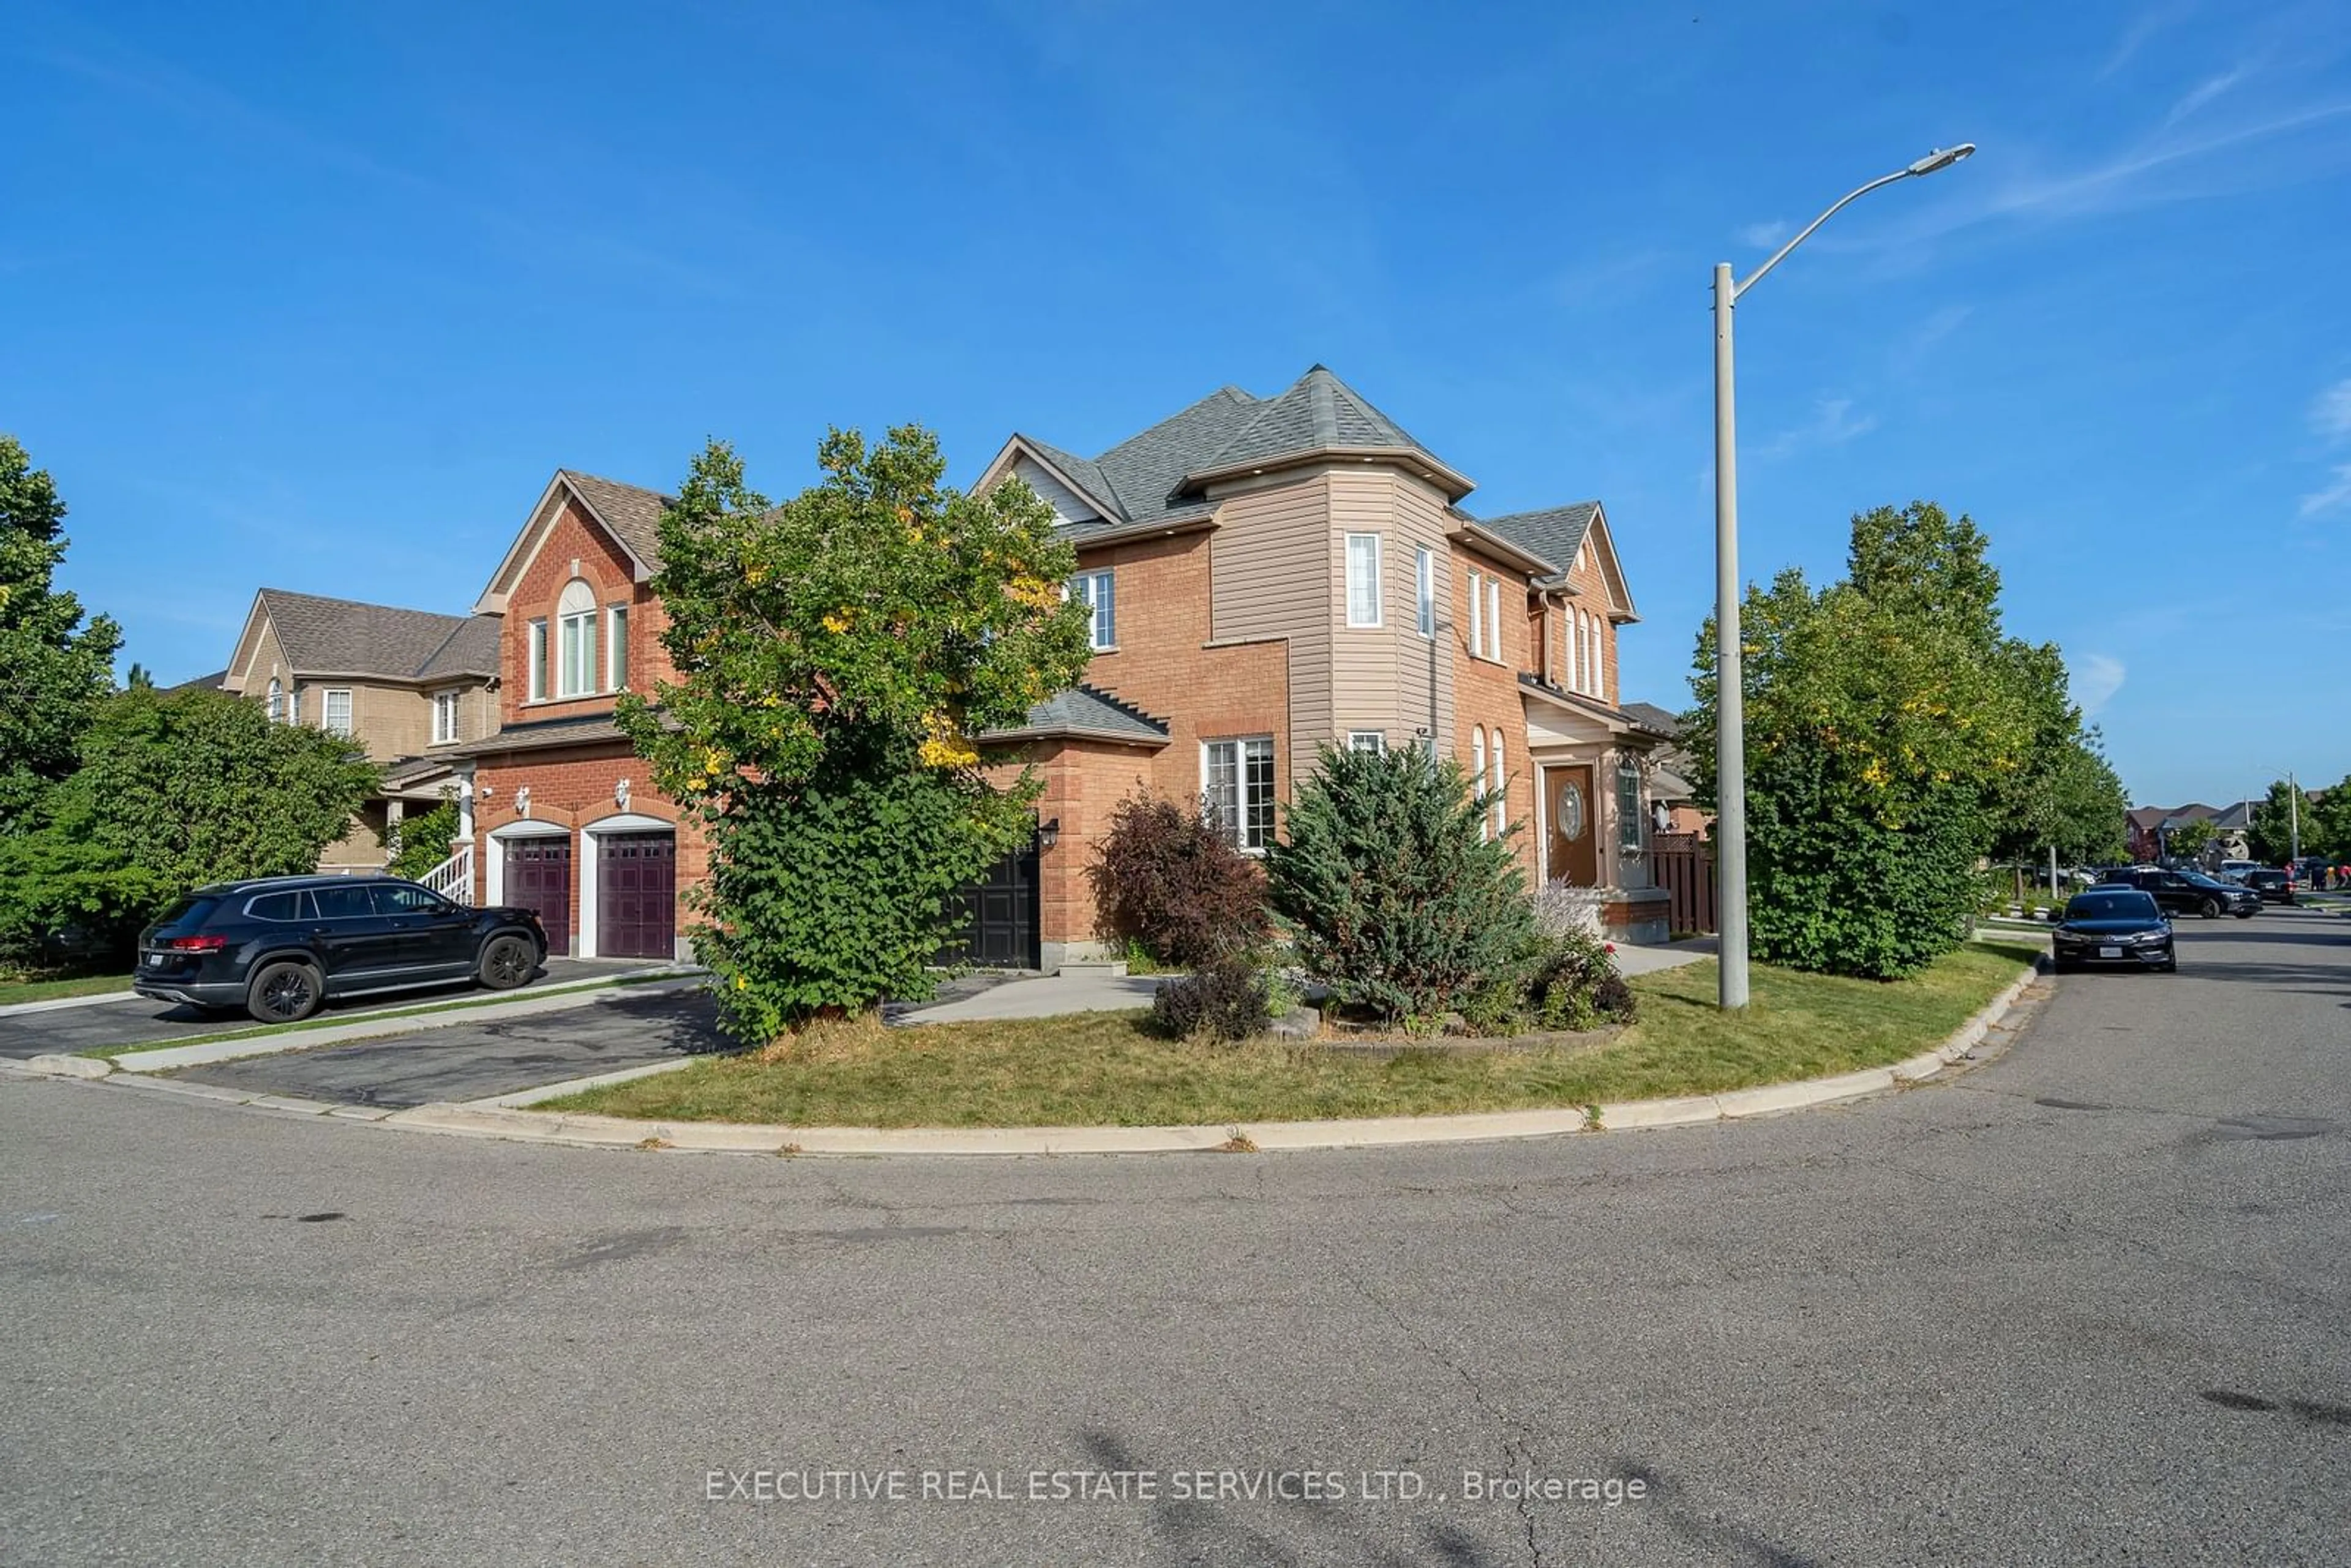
{"points": [[1379, 676], [1271, 575], [1068, 506]]}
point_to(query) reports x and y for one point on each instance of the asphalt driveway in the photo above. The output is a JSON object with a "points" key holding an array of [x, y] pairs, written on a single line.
{"points": [[136, 1021], [630, 1027]]}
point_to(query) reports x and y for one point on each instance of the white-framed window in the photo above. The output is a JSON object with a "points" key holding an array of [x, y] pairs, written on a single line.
{"points": [[1097, 591], [1477, 614], [1494, 618], [1478, 771], [277, 700], [1374, 741], [1628, 806], [444, 716], [616, 648], [1363, 579], [1501, 808], [1237, 787], [575, 641], [1424, 592], [538, 661], [335, 712], [1567, 648]]}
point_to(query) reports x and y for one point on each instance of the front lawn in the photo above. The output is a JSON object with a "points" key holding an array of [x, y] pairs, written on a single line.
{"points": [[1106, 1069], [14, 991]]}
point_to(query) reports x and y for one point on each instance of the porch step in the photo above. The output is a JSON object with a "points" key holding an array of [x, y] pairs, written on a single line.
{"points": [[1097, 967]]}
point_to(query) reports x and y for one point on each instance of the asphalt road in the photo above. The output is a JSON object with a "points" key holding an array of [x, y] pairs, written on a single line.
{"points": [[608, 1031], [2088, 1305], [137, 1020]]}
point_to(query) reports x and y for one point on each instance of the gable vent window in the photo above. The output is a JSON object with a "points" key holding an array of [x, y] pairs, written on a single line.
{"points": [[575, 639]]}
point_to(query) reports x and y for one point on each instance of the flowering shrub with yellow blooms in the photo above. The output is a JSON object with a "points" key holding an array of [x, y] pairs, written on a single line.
{"points": [[839, 660]]}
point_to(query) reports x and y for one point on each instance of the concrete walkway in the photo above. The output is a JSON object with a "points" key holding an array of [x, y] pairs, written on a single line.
{"points": [[1047, 996], [1634, 958]]}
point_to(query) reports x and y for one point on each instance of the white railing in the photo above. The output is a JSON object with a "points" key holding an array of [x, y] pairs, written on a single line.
{"points": [[454, 878]]}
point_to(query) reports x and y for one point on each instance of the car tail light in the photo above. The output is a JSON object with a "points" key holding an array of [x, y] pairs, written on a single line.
{"points": [[194, 943]]}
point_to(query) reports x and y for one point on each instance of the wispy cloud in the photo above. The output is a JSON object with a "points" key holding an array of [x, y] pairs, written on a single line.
{"points": [[2144, 27], [2096, 682], [2330, 415], [1764, 235], [1832, 423], [2334, 497], [2204, 92]]}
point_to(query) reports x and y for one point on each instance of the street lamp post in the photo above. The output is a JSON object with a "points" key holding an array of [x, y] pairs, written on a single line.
{"points": [[1730, 692]]}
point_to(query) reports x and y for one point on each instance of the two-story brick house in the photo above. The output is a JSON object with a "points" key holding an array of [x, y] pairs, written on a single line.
{"points": [[1268, 576], [411, 686], [1265, 576]]}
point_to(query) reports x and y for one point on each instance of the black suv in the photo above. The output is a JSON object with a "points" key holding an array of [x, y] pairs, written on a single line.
{"points": [[2189, 892], [2274, 886], [281, 947]]}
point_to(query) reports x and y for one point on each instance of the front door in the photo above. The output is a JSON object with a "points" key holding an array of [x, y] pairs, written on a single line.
{"points": [[1573, 853], [636, 895], [538, 877], [999, 924]]}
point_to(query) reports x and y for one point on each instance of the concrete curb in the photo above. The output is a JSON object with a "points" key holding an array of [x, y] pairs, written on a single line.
{"points": [[553, 999], [505, 1117], [57, 1004]]}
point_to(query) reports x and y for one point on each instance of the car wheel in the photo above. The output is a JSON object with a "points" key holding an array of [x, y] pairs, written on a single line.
{"points": [[2210, 909], [507, 962], [286, 991]]}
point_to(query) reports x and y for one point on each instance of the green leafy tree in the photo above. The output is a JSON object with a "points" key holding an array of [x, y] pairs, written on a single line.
{"points": [[424, 839], [2281, 819], [58, 668], [838, 659], [2333, 810], [1887, 727], [2189, 840], [1393, 896], [174, 792]]}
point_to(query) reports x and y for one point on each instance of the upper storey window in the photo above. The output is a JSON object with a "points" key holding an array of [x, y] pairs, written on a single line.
{"points": [[575, 641]]}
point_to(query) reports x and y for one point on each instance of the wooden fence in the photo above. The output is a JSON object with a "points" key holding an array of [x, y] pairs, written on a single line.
{"points": [[1684, 866]]}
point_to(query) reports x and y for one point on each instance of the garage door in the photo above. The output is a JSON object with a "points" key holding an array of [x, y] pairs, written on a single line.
{"points": [[636, 895], [998, 929], [538, 876]]}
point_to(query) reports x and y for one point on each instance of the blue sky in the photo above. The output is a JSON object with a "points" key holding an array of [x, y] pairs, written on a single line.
{"points": [[317, 296]]}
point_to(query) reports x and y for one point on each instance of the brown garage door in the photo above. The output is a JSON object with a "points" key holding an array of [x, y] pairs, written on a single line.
{"points": [[538, 876], [636, 895]]}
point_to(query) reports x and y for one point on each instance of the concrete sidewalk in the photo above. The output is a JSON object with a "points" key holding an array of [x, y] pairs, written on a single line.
{"points": [[1638, 959]]}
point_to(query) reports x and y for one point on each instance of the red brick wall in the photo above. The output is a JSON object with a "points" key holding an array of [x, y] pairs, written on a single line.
{"points": [[575, 787], [605, 567], [1486, 694]]}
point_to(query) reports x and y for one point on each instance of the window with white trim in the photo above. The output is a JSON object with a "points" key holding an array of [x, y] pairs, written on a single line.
{"points": [[1374, 741], [444, 716], [1568, 633], [1477, 772], [1477, 614], [575, 641], [538, 661], [335, 712], [616, 648], [1424, 591], [1237, 789], [1494, 618], [1097, 591], [1363, 579], [1501, 808], [277, 700]]}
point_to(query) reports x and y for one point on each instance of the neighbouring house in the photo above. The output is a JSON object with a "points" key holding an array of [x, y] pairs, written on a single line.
{"points": [[410, 687], [2150, 830], [1268, 576], [1673, 800], [1265, 576]]}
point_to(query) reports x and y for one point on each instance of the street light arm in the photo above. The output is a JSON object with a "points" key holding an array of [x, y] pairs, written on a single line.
{"points": [[1781, 254]]}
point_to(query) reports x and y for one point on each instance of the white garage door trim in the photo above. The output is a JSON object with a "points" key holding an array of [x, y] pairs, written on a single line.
{"points": [[624, 822], [493, 875]]}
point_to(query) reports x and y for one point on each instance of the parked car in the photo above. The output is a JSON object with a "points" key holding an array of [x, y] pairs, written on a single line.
{"points": [[2234, 871], [2113, 925], [281, 948], [2185, 891], [2274, 886]]}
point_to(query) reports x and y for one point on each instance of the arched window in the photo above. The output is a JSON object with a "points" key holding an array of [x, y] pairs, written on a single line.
{"points": [[575, 641], [1477, 769], [277, 700], [1501, 808]]}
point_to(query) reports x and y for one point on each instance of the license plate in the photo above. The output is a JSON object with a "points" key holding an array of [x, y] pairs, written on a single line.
{"points": [[155, 960], [2110, 952]]}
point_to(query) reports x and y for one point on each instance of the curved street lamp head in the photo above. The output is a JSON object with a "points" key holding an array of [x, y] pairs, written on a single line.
{"points": [[1941, 157]]}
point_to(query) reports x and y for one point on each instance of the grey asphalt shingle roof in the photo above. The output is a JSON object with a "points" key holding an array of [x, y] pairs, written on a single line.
{"points": [[1320, 412], [1555, 533], [632, 513], [1663, 720], [1087, 710], [343, 636]]}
